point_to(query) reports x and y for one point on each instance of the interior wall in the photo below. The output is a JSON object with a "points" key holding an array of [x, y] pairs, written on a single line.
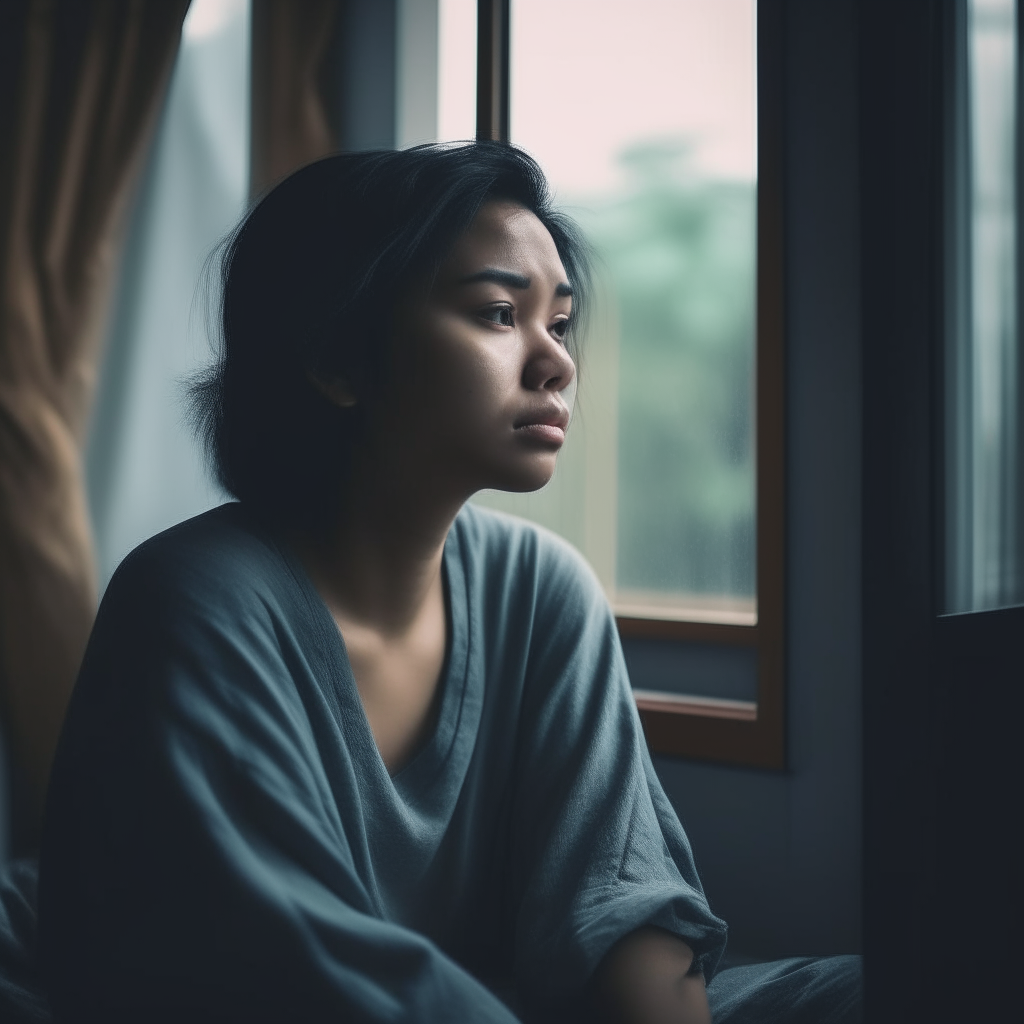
{"points": [[366, 74], [780, 853], [416, 72]]}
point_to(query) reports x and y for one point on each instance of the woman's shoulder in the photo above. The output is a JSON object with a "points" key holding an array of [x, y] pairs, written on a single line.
{"points": [[225, 554], [212, 591], [501, 535], [521, 556]]}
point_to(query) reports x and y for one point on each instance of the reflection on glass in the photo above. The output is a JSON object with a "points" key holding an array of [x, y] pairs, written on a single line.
{"points": [[646, 126], [983, 367]]}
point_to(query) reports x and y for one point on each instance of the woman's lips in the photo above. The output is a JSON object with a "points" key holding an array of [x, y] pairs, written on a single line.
{"points": [[548, 433], [546, 425]]}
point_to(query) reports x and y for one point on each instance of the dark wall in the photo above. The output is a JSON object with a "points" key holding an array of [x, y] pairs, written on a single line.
{"points": [[5, 802], [366, 74], [780, 853], [944, 778]]}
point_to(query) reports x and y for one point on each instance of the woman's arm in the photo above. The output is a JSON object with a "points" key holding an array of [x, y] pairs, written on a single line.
{"points": [[644, 979], [597, 851]]}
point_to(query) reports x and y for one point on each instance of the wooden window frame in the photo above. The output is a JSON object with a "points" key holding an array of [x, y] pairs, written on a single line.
{"points": [[750, 733]]}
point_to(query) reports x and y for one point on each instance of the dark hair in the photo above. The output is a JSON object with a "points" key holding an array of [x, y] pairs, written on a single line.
{"points": [[305, 278]]}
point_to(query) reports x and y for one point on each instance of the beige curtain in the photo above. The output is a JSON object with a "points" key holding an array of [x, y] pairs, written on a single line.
{"points": [[293, 86], [77, 116]]}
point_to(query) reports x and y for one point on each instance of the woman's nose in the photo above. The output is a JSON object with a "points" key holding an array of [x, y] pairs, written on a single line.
{"points": [[549, 366]]}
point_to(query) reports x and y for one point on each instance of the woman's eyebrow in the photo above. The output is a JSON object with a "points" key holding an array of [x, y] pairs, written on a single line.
{"points": [[511, 279], [495, 276]]}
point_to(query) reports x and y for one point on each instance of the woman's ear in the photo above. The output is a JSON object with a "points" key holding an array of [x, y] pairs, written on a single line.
{"points": [[338, 391]]}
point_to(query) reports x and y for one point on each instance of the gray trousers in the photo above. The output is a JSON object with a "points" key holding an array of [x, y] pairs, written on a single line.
{"points": [[800, 990]]}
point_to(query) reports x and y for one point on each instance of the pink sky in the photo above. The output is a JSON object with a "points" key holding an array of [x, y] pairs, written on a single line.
{"points": [[591, 76]]}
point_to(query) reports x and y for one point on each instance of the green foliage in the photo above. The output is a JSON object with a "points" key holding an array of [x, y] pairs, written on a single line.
{"points": [[680, 251]]}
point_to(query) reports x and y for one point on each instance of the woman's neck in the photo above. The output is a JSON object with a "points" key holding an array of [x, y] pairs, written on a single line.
{"points": [[378, 569], [378, 563]]}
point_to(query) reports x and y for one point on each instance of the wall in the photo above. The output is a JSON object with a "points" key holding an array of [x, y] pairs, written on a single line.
{"points": [[780, 853], [366, 74]]}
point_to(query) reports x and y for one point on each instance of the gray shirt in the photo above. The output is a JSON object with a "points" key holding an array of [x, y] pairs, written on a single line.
{"points": [[224, 842]]}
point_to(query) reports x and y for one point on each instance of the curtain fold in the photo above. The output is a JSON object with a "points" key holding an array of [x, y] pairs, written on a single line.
{"points": [[77, 116], [295, 86]]}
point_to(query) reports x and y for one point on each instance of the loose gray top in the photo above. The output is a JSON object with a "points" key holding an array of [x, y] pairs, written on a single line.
{"points": [[224, 842]]}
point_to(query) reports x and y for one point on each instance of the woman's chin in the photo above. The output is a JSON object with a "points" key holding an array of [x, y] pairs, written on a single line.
{"points": [[522, 478]]}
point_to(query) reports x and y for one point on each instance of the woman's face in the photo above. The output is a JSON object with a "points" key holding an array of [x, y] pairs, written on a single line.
{"points": [[480, 364]]}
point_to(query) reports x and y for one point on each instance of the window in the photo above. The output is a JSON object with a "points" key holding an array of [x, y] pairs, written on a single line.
{"points": [[984, 448], [656, 484], [659, 130]]}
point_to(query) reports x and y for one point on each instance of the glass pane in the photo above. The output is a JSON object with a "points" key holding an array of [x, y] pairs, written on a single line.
{"points": [[456, 78], [646, 125], [144, 471], [984, 503]]}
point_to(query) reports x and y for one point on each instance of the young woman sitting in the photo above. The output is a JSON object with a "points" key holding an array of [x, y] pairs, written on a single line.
{"points": [[350, 748]]}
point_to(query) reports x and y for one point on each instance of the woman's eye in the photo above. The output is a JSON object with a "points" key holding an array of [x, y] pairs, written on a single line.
{"points": [[559, 328], [501, 315]]}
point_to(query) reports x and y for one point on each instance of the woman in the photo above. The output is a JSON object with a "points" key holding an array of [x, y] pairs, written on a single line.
{"points": [[349, 748]]}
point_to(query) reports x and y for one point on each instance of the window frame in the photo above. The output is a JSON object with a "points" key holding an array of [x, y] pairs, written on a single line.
{"points": [[750, 733]]}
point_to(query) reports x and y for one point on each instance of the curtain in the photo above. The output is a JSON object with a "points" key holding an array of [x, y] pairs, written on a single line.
{"points": [[83, 83], [144, 470]]}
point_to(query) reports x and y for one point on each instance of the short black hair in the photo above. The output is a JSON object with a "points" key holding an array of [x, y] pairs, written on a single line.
{"points": [[305, 278]]}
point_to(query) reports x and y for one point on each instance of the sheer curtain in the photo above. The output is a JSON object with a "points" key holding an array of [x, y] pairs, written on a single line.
{"points": [[144, 471]]}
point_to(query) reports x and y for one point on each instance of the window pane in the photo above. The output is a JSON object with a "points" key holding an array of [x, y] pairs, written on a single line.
{"points": [[646, 125], [456, 79], [144, 472], [985, 553]]}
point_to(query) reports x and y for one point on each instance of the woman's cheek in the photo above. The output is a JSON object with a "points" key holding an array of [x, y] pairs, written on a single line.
{"points": [[482, 375]]}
